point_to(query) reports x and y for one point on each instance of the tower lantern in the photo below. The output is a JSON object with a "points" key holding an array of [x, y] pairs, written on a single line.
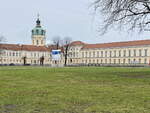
{"points": [[38, 34]]}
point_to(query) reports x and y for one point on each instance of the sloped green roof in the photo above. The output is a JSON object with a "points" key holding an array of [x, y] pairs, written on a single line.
{"points": [[38, 31]]}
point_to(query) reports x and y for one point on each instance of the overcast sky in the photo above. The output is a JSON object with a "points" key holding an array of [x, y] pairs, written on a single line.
{"points": [[59, 17]]}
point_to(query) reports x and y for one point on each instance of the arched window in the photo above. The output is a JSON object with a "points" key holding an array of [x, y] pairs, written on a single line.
{"points": [[42, 32], [37, 31]]}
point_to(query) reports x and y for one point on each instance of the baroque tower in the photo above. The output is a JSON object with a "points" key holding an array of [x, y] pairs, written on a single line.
{"points": [[38, 34]]}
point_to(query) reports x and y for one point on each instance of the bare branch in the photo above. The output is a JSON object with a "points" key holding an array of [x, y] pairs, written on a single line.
{"points": [[67, 41], [133, 14]]}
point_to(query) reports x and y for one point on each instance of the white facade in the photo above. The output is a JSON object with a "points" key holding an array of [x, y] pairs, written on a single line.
{"points": [[79, 53]]}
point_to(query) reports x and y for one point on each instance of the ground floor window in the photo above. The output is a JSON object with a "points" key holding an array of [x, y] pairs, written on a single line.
{"points": [[139, 61], [145, 61]]}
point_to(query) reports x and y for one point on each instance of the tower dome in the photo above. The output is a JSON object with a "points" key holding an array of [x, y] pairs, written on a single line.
{"points": [[38, 34]]}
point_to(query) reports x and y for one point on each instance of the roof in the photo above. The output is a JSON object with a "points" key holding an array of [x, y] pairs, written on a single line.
{"points": [[75, 43], [17, 47], [117, 44]]}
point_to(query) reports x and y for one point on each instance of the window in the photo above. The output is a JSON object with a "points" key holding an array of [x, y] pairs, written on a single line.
{"points": [[129, 61], [97, 53], [42, 32], [124, 61], [129, 53], [119, 53], [140, 52], [114, 61], [105, 61], [38, 54], [9, 53], [19, 53], [101, 61], [82, 61], [145, 61], [119, 61], [93, 61], [134, 60], [97, 61], [124, 53], [34, 54], [77, 55], [105, 53], [139, 61], [101, 53], [86, 61], [73, 54], [16, 53], [4, 53], [145, 52], [86, 54], [13, 54], [89, 54], [83, 54], [110, 61], [134, 52], [37, 31], [89, 61], [114, 53], [37, 42], [110, 53], [93, 54]]}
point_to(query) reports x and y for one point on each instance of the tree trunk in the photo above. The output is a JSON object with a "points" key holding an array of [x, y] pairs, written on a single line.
{"points": [[66, 55]]}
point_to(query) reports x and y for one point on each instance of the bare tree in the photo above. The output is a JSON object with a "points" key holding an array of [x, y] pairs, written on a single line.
{"points": [[130, 14], [57, 41], [67, 41], [2, 39]]}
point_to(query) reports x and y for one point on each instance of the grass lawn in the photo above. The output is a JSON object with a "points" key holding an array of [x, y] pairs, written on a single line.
{"points": [[74, 90]]}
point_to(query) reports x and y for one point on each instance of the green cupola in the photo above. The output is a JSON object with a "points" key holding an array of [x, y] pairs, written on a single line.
{"points": [[38, 34], [38, 30]]}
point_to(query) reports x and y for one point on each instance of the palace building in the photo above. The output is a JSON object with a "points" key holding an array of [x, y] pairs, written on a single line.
{"points": [[79, 53]]}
